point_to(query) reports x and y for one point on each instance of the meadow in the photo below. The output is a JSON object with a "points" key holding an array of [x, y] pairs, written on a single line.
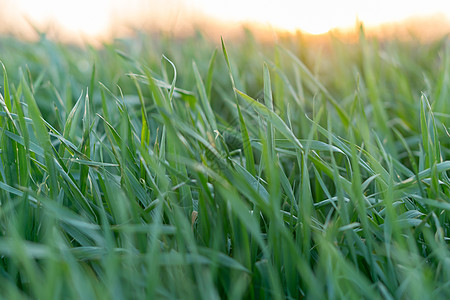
{"points": [[159, 167]]}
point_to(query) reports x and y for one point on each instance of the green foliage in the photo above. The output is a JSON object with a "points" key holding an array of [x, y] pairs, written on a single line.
{"points": [[181, 169]]}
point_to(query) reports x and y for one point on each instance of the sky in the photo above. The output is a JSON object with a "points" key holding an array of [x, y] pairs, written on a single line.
{"points": [[92, 17], [318, 16]]}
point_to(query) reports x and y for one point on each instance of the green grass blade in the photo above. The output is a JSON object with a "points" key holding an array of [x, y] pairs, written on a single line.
{"points": [[43, 139]]}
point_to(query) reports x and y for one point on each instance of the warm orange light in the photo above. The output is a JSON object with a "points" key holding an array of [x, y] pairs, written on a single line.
{"points": [[89, 18], [320, 16], [94, 17]]}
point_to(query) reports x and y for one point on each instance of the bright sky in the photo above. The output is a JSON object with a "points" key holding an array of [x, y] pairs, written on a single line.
{"points": [[92, 17], [319, 16]]}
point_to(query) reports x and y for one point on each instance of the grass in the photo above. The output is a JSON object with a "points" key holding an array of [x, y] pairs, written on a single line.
{"points": [[240, 170]]}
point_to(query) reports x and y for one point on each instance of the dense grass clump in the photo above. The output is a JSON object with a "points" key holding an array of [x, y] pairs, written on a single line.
{"points": [[157, 167]]}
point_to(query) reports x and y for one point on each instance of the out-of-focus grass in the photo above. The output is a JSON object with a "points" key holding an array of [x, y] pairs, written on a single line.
{"points": [[179, 168]]}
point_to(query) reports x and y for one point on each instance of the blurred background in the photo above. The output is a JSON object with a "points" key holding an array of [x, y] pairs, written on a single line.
{"points": [[104, 19]]}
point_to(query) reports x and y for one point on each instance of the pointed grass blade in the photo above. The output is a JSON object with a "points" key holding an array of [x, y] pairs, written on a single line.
{"points": [[42, 137]]}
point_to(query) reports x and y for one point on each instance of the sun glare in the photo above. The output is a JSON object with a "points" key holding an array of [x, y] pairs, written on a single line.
{"points": [[88, 18], [320, 16], [315, 17], [93, 18]]}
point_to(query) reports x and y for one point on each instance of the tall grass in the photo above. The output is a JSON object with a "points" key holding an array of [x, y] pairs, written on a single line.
{"points": [[184, 169]]}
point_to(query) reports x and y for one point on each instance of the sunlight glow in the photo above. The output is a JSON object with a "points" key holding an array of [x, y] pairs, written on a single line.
{"points": [[94, 17], [90, 18], [320, 16]]}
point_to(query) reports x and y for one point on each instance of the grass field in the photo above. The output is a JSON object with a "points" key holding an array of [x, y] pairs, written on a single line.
{"points": [[165, 168]]}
